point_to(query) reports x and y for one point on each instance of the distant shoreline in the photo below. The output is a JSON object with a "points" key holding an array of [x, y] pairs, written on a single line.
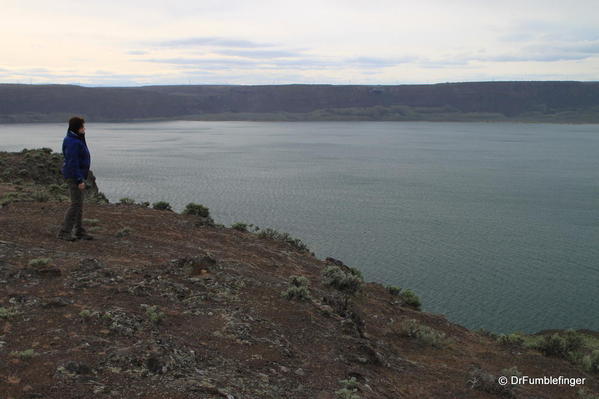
{"points": [[149, 120], [527, 102]]}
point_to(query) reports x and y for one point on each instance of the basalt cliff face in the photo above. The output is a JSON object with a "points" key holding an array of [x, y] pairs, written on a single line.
{"points": [[168, 305], [571, 102]]}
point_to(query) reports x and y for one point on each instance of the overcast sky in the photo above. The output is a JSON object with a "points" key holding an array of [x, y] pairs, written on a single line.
{"points": [[131, 42]]}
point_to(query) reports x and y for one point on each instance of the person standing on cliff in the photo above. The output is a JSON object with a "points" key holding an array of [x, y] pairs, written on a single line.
{"points": [[75, 170]]}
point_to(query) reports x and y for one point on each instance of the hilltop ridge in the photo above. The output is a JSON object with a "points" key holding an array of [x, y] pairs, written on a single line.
{"points": [[561, 102], [169, 305]]}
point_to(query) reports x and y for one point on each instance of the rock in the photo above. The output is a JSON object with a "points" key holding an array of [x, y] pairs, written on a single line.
{"points": [[57, 302], [77, 368], [205, 386], [90, 264], [48, 272], [334, 261], [99, 389], [91, 273], [326, 310], [370, 354], [154, 364], [194, 266], [201, 221], [14, 380]]}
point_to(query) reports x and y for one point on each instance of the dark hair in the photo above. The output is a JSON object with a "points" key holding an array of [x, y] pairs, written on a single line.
{"points": [[76, 123]]}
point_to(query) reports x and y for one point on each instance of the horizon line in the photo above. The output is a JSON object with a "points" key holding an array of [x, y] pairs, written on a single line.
{"points": [[298, 84]]}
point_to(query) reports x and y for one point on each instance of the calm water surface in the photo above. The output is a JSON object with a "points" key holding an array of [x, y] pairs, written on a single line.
{"points": [[493, 225]]}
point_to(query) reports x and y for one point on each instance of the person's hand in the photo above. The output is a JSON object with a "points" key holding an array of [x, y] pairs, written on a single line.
{"points": [[81, 186]]}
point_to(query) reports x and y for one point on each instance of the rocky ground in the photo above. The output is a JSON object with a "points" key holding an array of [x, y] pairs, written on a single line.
{"points": [[168, 305]]}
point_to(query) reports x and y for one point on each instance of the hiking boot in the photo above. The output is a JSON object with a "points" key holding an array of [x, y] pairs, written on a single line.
{"points": [[83, 236], [65, 236]]}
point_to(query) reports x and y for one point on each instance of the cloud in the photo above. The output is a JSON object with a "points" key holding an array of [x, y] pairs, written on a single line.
{"points": [[43, 75], [207, 62], [549, 52], [517, 37], [549, 30], [532, 57], [210, 41], [586, 47], [445, 63], [261, 53], [391, 41], [378, 62], [297, 61]]}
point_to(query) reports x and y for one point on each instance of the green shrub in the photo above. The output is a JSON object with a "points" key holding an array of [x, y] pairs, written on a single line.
{"points": [[299, 281], [584, 393], [298, 293], [40, 196], [272, 234], [6, 313], [24, 355], [124, 232], [298, 289], [154, 314], [100, 198], [15, 196], [196, 209], [485, 332], [144, 204], [591, 362], [510, 340], [561, 345], [91, 222], [410, 298], [393, 290], [424, 335], [126, 201], [349, 390], [407, 296], [512, 371], [39, 262], [355, 272], [162, 206], [240, 226], [348, 282], [486, 382], [56, 189]]}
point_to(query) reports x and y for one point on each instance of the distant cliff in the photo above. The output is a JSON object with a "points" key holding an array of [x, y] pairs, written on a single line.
{"points": [[575, 102]]}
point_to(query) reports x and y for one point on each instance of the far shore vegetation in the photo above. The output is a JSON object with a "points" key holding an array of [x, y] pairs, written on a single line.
{"points": [[396, 113]]}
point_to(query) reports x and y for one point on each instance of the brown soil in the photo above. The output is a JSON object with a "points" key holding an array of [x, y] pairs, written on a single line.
{"points": [[221, 328]]}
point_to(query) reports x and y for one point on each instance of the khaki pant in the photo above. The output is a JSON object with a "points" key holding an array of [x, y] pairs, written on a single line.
{"points": [[73, 215]]}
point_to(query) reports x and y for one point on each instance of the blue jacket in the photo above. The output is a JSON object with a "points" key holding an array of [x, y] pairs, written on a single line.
{"points": [[76, 157]]}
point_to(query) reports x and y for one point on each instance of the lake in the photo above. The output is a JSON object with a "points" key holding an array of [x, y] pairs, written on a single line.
{"points": [[494, 225]]}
